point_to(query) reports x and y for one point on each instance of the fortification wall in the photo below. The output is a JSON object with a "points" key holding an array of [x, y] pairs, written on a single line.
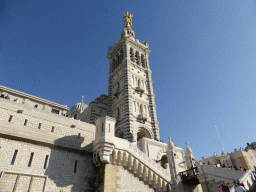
{"points": [[41, 150], [44, 127], [62, 170]]}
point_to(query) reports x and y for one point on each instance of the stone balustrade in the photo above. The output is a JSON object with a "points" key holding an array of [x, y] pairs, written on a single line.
{"points": [[130, 157]]}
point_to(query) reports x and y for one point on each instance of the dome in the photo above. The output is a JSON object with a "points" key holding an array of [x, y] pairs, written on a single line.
{"points": [[79, 107]]}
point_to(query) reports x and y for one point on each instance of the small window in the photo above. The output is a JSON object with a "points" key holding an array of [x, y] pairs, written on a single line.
{"points": [[14, 156], [55, 111], [39, 126], [79, 135], [10, 118], [75, 116], [52, 129], [35, 106], [45, 161], [30, 159], [75, 166], [25, 123]]}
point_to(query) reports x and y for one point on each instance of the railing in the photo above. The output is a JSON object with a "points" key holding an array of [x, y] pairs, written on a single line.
{"points": [[189, 176]]}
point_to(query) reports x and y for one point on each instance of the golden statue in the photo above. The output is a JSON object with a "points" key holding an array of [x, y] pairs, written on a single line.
{"points": [[128, 19]]}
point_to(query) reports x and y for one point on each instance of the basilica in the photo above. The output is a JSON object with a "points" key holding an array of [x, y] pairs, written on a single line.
{"points": [[111, 144]]}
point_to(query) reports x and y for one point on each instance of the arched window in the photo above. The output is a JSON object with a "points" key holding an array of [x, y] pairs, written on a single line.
{"points": [[131, 54], [142, 61], [137, 57], [145, 109], [118, 112], [117, 60], [113, 64], [121, 56], [141, 109], [75, 116], [164, 161], [138, 82]]}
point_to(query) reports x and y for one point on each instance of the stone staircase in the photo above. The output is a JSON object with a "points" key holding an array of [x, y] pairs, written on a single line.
{"points": [[211, 177], [131, 158]]}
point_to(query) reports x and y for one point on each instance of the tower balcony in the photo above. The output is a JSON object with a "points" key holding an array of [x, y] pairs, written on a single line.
{"points": [[117, 91], [142, 116], [140, 90]]}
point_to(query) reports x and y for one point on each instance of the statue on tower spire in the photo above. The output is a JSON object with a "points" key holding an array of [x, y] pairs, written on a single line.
{"points": [[128, 19]]}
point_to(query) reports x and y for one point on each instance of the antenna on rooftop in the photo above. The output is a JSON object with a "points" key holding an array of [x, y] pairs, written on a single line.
{"points": [[220, 138]]}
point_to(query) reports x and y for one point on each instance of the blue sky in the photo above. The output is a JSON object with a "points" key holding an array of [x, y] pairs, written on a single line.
{"points": [[203, 60]]}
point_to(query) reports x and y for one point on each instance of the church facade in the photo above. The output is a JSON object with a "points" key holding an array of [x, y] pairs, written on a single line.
{"points": [[112, 144]]}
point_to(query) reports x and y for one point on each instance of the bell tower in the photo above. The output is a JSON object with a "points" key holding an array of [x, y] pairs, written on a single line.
{"points": [[130, 90]]}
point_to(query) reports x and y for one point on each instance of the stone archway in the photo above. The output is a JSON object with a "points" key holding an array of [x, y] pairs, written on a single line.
{"points": [[142, 132], [119, 133], [162, 157]]}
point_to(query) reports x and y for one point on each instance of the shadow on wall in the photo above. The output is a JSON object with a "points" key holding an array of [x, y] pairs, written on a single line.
{"points": [[69, 169]]}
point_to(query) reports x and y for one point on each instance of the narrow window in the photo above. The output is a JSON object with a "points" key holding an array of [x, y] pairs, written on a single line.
{"points": [[52, 129], [102, 127], [39, 126], [79, 134], [75, 116], [109, 128], [45, 161], [134, 106], [30, 160], [14, 157], [25, 123], [75, 166], [10, 118]]}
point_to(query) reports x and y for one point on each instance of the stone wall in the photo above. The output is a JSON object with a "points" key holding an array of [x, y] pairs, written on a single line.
{"points": [[44, 126], [121, 180], [60, 169]]}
